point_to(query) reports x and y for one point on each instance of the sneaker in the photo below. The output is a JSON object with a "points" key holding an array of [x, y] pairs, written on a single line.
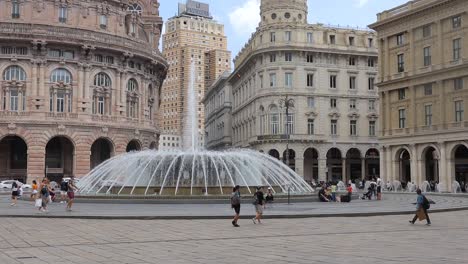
{"points": [[428, 224], [236, 225], [411, 222], [233, 223], [254, 221], [12, 204]]}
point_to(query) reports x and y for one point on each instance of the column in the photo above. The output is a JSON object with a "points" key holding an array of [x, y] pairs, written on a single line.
{"points": [[7, 101], [440, 40], [414, 164], [122, 89], [300, 166], [446, 166], [387, 59], [85, 84], [387, 114], [343, 170], [322, 169], [42, 91], [363, 168], [442, 112], [80, 77], [390, 173], [383, 164], [34, 89], [413, 124]]}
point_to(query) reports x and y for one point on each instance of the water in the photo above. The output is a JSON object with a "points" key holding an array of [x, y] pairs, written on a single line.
{"points": [[190, 173], [440, 187], [397, 186], [341, 186], [411, 187], [425, 187], [456, 188]]}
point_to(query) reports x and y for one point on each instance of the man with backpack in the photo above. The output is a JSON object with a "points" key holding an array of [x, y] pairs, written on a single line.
{"points": [[63, 191], [235, 204], [258, 203], [422, 205]]}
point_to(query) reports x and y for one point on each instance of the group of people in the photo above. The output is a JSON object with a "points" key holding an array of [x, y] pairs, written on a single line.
{"points": [[44, 193], [260, 201], [327, 193]]}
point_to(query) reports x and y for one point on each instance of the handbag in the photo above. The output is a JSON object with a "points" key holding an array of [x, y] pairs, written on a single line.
{"points": [[38, 203]]}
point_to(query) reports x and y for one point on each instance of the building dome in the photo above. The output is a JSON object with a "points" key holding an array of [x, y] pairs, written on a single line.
{"points": [[80, 83], [283, 11]]}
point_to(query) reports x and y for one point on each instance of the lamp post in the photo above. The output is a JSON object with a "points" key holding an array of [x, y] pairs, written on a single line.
{"points": [[287, 103]]}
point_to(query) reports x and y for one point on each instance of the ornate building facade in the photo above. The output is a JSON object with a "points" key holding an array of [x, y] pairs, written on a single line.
{"points": [[194, 44], [80, 83], [423, 88], [303, 93]]}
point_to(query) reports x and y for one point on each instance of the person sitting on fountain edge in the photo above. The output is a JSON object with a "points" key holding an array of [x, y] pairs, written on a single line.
{"points": [[323, 195]]}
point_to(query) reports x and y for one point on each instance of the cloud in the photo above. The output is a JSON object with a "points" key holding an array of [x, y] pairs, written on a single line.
{"points": [[245, 18]]}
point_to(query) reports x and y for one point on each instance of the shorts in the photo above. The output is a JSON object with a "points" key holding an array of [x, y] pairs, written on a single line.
{"points": [[34, 192], [71, 195], [63, 192], [236, 208], [259, 208], [15, 193]]}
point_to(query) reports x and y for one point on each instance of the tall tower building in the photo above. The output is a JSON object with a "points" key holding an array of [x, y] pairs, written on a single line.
{"points": [[194, 44]]}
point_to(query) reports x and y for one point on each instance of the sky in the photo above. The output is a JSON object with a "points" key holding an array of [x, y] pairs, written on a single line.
{"points": [[241, 17]]}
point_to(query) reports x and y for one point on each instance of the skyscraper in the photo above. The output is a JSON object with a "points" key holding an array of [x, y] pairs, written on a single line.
{"points": [[194, 44]]}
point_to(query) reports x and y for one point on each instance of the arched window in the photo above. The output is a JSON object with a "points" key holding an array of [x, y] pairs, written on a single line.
{"points": [[61, 92], [274, 120], [103, 80], [101, 94], [132, 98], [14, 73], [135, 8], [14, 94], [61, 75]]}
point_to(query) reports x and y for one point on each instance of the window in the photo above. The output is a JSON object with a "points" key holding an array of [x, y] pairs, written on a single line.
{"points": [[274, 121], [63, 14], [14, 73], [135, 8], [428, 115], [109, 59], [456, 49], [14, 100], [399, 39], [98, 58], [310, 37], [132, 98], [456, 22], [428, 89], [15, 9], [272, 57], [372, 105], [132, 85], [310, 58], [287, 36], [103, 21], [288, 79], [14, 50], [401, 94], [310, 80], [351, 41], [370, 42], [61, 76], [102, 80], [273, 80], [288, 56], [100, 105], [352, 103], [371, 62], [371, 83], [310, 102], [272, 37], [352, 82], [352, 127], [427, 31], [352, 61], [333, 127], [310, 126], [260, 77], [290, 124], [333, 102], [372, 128], [401, 63], [332, 81], [332, 39], [402, 118], [458, 84], [427, 56], [459, 109]]}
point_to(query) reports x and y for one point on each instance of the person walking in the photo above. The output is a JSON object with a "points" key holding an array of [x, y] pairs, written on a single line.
{"points": [[63, 191], [258, 203], [44, 195], [14, 193], [34, 190], [333, 192], [422, 205], [235, 204], [269, 197], [71, 193]]}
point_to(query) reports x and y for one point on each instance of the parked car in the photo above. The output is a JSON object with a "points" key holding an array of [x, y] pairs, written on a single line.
{"points": [[8, 183]]}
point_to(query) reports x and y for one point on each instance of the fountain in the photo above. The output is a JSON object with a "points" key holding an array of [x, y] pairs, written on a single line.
{"points": [[191, 171], [456, 188], [440, 187], [341, 186], [397, 186], [425, 187]]}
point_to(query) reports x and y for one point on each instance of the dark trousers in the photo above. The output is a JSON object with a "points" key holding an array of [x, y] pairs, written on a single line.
{"points": [[427, 217]]}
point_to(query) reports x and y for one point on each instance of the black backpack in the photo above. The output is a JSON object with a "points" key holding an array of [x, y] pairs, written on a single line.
{"points": [[64, 186], [426, 205]]}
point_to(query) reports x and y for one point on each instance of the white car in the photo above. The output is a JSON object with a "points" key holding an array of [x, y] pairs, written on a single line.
{"points": [[8, 183]]}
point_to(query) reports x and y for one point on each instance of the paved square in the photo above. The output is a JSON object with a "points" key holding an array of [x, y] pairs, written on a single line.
{"points": [[385, 239]]}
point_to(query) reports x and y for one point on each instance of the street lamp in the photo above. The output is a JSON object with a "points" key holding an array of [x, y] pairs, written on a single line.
{"points": [[286, 103]]}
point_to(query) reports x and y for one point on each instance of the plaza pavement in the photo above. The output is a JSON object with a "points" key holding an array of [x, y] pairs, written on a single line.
{"points": [[391, 204], [356, 240]]}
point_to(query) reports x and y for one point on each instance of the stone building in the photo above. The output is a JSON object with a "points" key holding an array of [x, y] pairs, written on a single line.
{"points": [[326, 74], [194, 44], [80, 83], [423, 88]]}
